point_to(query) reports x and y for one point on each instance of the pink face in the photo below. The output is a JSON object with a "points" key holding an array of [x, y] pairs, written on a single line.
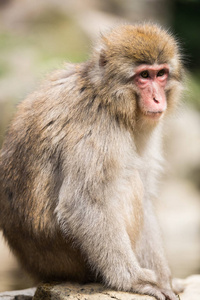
{"points": [[151, 81]]}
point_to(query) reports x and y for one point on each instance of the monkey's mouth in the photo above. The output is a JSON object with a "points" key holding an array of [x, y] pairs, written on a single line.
{"points": [[155, 115]]}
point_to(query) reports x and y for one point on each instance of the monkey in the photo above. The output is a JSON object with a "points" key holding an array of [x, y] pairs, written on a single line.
{"points": [[79, 165]]}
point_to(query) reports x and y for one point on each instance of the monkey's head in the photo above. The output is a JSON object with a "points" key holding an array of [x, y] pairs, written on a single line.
{"points": [[144, 59]]}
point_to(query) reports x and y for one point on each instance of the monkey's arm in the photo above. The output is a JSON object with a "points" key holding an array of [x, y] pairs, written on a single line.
{"points": [[100, 232], [151, 250], [92, 225]]}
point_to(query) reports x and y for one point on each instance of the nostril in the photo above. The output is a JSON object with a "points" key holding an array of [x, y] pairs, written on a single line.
{"points": [[155, 100]]}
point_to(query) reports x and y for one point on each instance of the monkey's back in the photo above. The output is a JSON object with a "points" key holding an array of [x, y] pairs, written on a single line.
{"points": [[31, 166]]}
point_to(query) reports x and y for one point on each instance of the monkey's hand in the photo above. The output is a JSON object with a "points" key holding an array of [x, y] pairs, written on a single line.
{"points": [[147, 284]]}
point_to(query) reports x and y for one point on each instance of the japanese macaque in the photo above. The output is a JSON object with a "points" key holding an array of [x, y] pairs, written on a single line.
{"points": [[79, 166]]}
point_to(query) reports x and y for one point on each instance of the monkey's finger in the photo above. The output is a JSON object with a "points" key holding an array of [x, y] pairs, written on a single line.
{"points": [[150, 290], [169, 295]]}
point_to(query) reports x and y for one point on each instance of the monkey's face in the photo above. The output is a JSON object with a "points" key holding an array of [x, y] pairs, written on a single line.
{"points": [[140, 72], [151, 81]]}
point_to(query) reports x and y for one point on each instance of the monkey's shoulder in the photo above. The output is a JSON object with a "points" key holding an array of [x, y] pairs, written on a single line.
{"points": [[68, 70], [48, 111], [58, 90]]}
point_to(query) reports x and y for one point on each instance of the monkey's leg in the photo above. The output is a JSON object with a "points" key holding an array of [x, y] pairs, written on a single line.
{"points": [[150, 251], [100, 232]]}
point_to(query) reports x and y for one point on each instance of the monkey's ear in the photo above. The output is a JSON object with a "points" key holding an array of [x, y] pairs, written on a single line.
{"points": [[102, 58]]}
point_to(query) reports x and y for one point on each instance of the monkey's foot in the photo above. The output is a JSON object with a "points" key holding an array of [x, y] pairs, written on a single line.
{"points": [[169, 295], [178, 285], [147, 283], [159, 294]]}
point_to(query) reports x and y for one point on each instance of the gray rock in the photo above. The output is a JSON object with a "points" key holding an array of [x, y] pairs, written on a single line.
{"points": [[69, 291], [18, 295]]}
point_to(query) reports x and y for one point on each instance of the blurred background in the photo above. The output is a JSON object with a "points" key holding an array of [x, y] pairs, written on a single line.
{"points": [[38, 36]]}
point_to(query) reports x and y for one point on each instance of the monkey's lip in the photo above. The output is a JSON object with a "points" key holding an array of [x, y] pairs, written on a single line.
{"points": [[154, 114]]}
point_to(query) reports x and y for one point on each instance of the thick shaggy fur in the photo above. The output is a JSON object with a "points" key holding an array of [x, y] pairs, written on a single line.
{"points": [[78, 169]]}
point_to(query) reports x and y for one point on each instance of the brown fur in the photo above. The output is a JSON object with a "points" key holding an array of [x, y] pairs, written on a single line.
{"points": [[78, 169]]}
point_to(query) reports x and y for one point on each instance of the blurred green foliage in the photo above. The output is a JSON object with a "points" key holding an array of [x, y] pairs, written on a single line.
{"points": [[58, 35], [193, 85], [43, 42], [186, 24], [51, 34]]}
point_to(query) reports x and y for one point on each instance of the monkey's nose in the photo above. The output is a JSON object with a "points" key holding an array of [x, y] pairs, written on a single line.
{"points": [[155, 100]]}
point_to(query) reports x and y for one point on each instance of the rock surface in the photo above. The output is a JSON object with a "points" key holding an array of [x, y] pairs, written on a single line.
{"points": [[69, 291], [83, 292], [18, 295]]}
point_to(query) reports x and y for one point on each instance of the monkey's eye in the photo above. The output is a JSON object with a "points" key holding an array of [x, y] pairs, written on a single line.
{"points": [[144, 74], [161, 73]]}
